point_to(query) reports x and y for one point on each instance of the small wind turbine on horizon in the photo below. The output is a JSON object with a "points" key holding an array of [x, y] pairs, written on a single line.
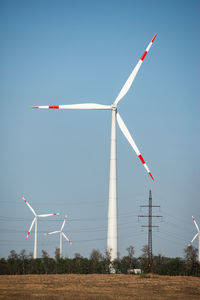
{"points": [[196, 235], [112, 202], [61, 235], [35, 222]]}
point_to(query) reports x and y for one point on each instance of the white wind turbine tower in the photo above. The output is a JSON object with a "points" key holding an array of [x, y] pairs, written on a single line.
{"points": [[61, 235], [198, 234], [112, 201], [35, 222]]}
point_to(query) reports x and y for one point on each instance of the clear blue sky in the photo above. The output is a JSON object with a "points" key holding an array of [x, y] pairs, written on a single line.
{"points": [[63, 52]]}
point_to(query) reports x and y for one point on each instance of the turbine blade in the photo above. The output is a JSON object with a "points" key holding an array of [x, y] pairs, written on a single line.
{"points": [[128, 136], [190, 243], [197, 227], [28, 205], [129, 81], [30, 228], [53, 232], [76, 106], [66, 238], [48, 215], [63, 224]]}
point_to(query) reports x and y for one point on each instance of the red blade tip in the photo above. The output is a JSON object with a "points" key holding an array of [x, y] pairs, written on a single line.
{"points": [[154, 37], [33, 106], [151, 176]]}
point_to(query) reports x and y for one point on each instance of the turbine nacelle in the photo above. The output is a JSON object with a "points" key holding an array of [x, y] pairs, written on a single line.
{"points": [[113, 107]]}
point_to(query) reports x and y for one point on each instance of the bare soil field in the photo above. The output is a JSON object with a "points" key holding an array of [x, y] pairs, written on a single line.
{"points": [[98, 286]]}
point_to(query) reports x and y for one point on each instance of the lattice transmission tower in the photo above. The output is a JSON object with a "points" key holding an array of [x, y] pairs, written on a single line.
{"points": [[150, 227]]}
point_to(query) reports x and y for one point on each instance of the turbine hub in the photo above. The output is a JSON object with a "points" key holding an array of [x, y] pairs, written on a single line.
{"points": [[114, 107]]}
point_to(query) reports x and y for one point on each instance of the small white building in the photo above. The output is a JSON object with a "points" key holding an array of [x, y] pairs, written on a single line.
{"points": [[136, 271]]}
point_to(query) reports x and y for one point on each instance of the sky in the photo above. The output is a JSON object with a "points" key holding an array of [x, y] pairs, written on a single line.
{"points": [[66, 52]]}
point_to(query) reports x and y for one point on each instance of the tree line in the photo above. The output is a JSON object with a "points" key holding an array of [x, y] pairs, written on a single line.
{"points": [[23, 263]]}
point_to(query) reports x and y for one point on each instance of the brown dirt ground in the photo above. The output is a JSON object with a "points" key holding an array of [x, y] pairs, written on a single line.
{"points": [[97, 286]]}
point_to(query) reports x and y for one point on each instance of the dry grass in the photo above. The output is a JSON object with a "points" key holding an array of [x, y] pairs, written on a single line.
{"points": [[97, 286]]}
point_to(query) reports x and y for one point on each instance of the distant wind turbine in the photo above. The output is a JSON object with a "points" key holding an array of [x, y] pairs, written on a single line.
{"points": [[61, 235], [196, 235], [35, 222], [112, 202]]}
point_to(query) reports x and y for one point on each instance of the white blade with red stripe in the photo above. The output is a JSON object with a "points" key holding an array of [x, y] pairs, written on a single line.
{"points": [[63, 224], [193, 239], [66, 238], [76, 106], [197, 227], [129, 81], [28, 205], [128, 136], [30, 228], [53, 232], [48, 215]]}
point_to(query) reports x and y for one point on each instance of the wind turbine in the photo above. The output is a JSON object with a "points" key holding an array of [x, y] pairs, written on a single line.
{"points": [[35, 222], [61, 235], [112, 202], [198, 234]]}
